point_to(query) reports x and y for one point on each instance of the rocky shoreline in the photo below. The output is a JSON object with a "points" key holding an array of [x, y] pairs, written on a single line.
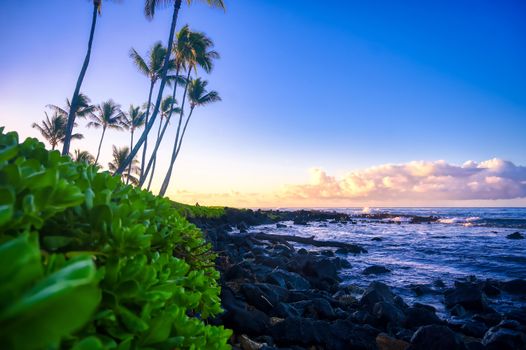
{"points": [[277, 296]]}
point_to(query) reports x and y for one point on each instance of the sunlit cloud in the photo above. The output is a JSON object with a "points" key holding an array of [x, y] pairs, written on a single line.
{"points": [[489, 180], [414, 183]]}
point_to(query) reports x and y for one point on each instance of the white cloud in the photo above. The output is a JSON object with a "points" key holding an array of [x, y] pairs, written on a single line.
{"points": [[418, 180]]}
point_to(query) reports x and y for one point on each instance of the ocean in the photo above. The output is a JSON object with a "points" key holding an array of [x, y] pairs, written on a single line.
{"points": [[463, 242]]}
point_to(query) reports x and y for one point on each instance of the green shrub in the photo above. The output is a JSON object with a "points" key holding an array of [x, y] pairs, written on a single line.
{"points": [[197, 211], [87, 262]]}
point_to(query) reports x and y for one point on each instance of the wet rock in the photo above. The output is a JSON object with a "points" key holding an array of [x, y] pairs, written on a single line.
{"points": [[458, 311], [515, 235], [236, 272], [474, 329], [279, 225], [248, 344], [490, 289], [375, 270], [301, 221], [489, 319], [425, 306], [385, 342], [467, 295], [422, 289], [263, 296], [337, 335], [317, 308], [436, 337], [388, 313], [416, 317], [286, 279], [377, 239], [377, 292], [242, 227], [519, 315], [503, 337], [239, 316], [284, 310], [517, 286]]}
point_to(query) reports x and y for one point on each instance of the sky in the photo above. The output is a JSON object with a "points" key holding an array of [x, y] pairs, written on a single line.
{"points": [[334, 103]]}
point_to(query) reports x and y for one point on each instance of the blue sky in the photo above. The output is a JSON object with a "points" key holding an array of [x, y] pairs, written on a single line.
{"points": [[339, 85]]}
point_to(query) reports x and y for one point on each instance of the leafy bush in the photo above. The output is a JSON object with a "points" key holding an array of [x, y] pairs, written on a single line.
{"points": [[197, 211], [87, 262]]}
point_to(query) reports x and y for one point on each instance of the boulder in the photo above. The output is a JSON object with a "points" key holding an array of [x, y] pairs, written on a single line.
{"points": [[385, 342], [376, 292], [286, 279], [240, 317], [387, 313], [517, 286], [503, 337], [515, 235], [416, 317], [375, 270], [435, 337], [475, 329], [467, 295], [279, 225], [263, 296]]}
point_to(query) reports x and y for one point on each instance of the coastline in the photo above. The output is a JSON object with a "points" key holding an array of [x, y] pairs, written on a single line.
{"points": [[278, 296]]}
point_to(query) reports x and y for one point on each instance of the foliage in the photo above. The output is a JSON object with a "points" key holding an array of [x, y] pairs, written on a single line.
{"points": [[87, 262], [54, 129], [197, 211]]}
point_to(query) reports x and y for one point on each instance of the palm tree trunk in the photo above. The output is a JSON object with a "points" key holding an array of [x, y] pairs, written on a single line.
{"points": [[143, 161], [175, 153], [100, 144], [129, 168], [154, 156], [158, 143], [74, 100], [148, 127], [172, 160]]}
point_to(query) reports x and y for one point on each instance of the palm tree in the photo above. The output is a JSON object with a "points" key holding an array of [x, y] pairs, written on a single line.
{"points": [[54, 129], [119, 156], [133, 120], [167, 108], [198, 96], [152, 68], [83, 157], [97, 5], [191, 50], [149, 9], [84, 107], [108, 115]]}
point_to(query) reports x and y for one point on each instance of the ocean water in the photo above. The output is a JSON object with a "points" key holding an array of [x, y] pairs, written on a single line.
{"points": [[464, 242]]}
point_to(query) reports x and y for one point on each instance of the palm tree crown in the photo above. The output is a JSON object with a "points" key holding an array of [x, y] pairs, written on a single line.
{"points": [[54, 129], [151, 5], [83, 157], [84, 107], [107, 115], [199, 96], [119, 156], [152, 66]]}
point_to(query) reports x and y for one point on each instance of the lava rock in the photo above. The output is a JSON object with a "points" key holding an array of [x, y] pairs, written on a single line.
{"points": [[387, 313], [467, 295], [517, 286], [385, 342], [376, 292], [375, 270], [436, 337], [515, 235], [286, 279], [416, 317], [240, 317], [501, 337]]}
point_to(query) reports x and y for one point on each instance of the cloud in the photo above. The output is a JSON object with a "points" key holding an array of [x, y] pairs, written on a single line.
{"points": [[415, 181]]}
